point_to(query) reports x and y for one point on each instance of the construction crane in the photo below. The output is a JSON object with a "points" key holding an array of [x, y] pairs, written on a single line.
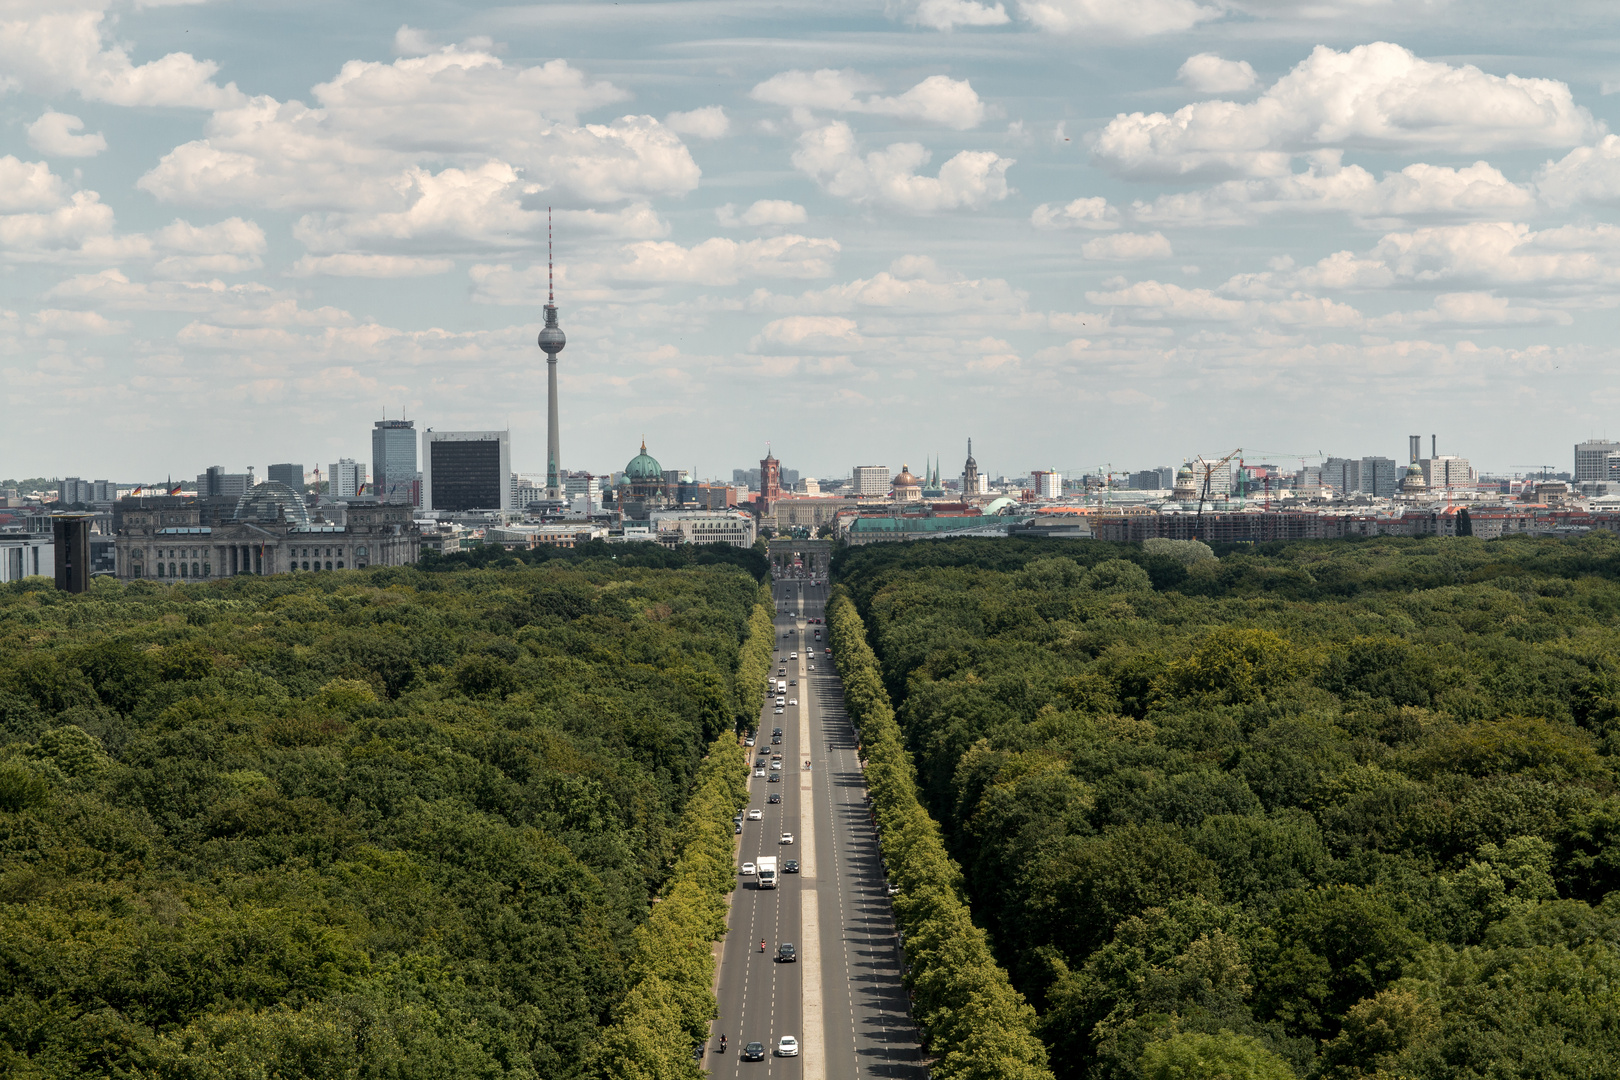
{"points": [[1543, 468], [1209, 468]]}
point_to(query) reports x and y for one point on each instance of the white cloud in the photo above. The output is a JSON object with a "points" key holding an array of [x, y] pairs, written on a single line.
{"points": [[949, 14], [1085, 213], [1125, 246], [1207, 73], [913, 285], [231, 246], [29, 185], [762, 213], [972, 179], [447, 150], [58, 322], [1503, 252], [722, 261], [827, 333], [1379, 95], [1419, 190], [53, 134], [368, 266], [710, 122], [1166, 300], [1585, 174], [938, 99], [1472, 309], [57, 50], [1122, 18]]}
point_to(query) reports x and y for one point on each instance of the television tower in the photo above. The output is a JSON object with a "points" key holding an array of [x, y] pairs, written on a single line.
{"points": [[551, 343]]}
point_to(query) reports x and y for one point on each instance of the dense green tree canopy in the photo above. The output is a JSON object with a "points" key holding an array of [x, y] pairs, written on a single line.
{"points": [[393, 823], [1337, 809]]}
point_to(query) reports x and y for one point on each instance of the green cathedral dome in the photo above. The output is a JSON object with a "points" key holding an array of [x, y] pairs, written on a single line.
{"points": [[643, 467]]}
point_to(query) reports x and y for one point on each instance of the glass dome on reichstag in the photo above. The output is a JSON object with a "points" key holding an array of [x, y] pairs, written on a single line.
{"points": [[270, 503]]}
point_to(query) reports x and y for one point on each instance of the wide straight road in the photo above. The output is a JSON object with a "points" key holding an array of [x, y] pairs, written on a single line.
{"points": [[842, 999]]}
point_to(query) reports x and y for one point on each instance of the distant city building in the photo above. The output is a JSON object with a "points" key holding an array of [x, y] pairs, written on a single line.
{"points": [[972, 482], [808, 486], [466, 470], [1592, 459], [789, 477], [271, 532], [770, 478], [393, 462], [1160, 479], [526, 491], [26, 554], [291, 475], [1047, 484], [344, 478], [871, 480], [675, 477], [1446, 473], [749, 478], [73, 491], [907, 488], [694, 527], [216, 481]]}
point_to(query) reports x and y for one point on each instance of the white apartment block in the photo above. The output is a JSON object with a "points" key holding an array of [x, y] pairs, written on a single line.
{"points": [[872, 480]]}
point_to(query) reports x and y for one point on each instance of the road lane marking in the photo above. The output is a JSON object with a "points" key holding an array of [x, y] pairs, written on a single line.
{"points": [[813, 1041]]}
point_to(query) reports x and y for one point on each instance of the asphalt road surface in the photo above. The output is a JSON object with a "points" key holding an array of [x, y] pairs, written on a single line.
{"points": [[842, 999]]}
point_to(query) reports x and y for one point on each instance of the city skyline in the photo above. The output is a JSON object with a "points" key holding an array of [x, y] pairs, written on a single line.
{"points": [[1087, 232]]}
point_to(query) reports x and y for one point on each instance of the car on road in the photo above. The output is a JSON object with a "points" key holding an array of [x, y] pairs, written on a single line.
{"points": [[787, 1046], [755, 814], [793, 701], [754, 1051], [748, 741], [779, 713], [759, 771], [786, 954], [739, 827], [776, 731], [776, 764], [776, 740], [774, 799], [787, 838], [793, 682], [775, 778], [793, 656], [748, 869], [791, 866], [812, 668]]}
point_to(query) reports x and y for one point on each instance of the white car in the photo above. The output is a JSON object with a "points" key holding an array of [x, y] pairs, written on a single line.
{"points": [[776, 764], [793, 656], [787, 838], [759, 772], [793, 701], [755, 815], [812, 668], [778, 712], [787, 1046], [748, 869], [749, 741]]}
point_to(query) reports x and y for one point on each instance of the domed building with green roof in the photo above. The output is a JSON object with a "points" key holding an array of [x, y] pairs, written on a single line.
{"points": [[643, 477]]}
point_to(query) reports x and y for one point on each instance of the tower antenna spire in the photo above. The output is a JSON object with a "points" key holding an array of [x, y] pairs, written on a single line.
{"points": [[551, 295]]}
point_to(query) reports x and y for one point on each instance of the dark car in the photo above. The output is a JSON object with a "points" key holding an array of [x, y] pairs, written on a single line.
{"points": [[774, 778], [785, 953], [791, 866], [754, 1052], [776, 740], [774, 799], [776, 731]]}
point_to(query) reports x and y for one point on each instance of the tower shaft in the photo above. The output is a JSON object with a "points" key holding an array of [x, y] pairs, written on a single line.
{"points": [[554, 488]]}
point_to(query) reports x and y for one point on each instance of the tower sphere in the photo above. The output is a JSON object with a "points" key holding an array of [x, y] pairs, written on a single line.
{"points": [[552, 339]]}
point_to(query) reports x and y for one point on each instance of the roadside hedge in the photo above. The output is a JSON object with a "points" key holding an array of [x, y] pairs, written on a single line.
{"points": [[754, 661], [671, 970], [974, 1023]]}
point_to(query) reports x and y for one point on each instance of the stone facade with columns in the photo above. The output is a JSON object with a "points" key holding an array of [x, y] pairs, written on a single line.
{"points": [[164, 539]]}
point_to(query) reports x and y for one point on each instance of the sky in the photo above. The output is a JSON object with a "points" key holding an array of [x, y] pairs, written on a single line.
{"points": [[1089, 234]]}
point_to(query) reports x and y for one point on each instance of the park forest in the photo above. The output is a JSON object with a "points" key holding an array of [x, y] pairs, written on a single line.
{"points": [[1317, 810], [1308, 810]]}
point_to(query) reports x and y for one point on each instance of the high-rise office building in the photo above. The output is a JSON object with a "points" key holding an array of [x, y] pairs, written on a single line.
{"points": [[1592, 459], [466, 470], [1446, 473], [871, 480], [291, 475], [216, 481], [1047, 483], [1379, 477], [345, 478], [393, 462]]}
